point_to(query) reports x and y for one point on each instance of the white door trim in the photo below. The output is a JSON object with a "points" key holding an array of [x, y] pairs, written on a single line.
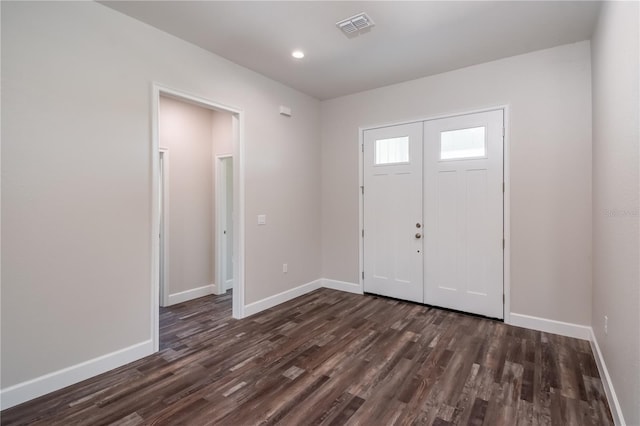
{"points": [[220, 197], [506, 198], [506, 214], [238, 201], [164, 286]]}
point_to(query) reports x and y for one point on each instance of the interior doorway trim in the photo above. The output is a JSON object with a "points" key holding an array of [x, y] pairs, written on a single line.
{"points": [[164, 227], [220, 225], [238, 201], [506, 197]]}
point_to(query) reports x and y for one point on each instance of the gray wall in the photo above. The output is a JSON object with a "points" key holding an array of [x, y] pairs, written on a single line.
{"points": [[549, 94], [616, 203], [76, 179]]}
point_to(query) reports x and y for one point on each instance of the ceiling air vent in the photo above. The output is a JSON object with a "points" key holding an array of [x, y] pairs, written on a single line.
{"points": [[355, 24]]}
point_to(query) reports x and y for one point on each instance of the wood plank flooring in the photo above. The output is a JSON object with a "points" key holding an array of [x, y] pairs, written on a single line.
{"points": [[333, 358]]}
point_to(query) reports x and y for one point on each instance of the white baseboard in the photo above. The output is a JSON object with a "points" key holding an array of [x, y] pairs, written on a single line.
{"points": [[276, 299], [551, 326], [228, 285], [42, 385], [194, 293], [614, 404], [341, 285]]}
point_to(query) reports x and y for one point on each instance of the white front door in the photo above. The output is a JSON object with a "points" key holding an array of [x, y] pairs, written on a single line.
{"points": [[463, 195], [393, 211], [452, 170]]}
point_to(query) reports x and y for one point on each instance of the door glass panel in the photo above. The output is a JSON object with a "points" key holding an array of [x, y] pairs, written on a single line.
{"points": [[392, 151], [463, 143]]}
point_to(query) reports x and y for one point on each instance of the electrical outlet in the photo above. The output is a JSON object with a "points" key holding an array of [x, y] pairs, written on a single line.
{"points": [[606, 324], [285, 268]]}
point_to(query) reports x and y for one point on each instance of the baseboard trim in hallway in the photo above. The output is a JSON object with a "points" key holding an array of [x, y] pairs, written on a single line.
{"points": [[191, 294]]}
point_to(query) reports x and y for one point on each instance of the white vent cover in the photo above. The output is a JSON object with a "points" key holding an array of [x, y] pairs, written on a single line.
{"points": [[355, 23]]}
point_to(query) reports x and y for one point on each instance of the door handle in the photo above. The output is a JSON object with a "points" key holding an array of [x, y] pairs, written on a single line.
{"points": [[418, 235]]}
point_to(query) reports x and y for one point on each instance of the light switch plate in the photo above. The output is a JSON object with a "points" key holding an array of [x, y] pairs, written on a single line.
{"points": [[262, 219]]}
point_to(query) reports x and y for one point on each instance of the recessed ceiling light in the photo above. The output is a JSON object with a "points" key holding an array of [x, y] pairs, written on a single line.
{"points": [[298, 54]]}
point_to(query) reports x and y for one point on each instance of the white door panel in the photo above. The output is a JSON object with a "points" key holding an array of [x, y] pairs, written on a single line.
{"points": [[463, 216], [392, 208]]}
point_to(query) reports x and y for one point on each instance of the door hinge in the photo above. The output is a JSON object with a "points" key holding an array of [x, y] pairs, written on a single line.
{"points": [[503, 244], [363, 233], [362, 147], [362, 189], [503, 132], [503, 299], [503, 186], [363, 275]]}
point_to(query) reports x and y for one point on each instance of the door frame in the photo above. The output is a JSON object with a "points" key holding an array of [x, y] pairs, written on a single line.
{"points": [[506, 201], [220, 222], [238, 121], [164, 253]]}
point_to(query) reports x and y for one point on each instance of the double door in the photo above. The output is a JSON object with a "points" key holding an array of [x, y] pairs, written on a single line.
{"points": [[433, 212]]}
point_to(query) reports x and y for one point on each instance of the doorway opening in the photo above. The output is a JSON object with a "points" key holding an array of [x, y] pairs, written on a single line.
{"points": [[197, 186]]}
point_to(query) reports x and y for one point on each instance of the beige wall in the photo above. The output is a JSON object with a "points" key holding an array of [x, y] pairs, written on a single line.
{"points": [[76, 178], [616, 203], [548, 93], [186, 131]]}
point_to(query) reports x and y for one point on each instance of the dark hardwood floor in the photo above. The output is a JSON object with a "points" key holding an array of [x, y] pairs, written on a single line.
{"points": [[337, 358]]}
